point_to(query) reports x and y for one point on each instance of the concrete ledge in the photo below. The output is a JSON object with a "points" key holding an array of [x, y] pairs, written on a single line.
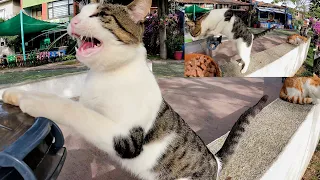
{"points": [[280, 61], [271, 56], [278, 143]]}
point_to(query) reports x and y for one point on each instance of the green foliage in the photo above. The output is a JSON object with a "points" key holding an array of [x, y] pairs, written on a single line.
{"points": [[1, 20], [68, 57], [175, 37], [314, 9], [13, 41]]}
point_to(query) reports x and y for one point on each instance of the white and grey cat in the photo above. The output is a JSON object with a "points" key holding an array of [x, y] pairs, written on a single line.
{"points": [[121, 109], [224, 21]]}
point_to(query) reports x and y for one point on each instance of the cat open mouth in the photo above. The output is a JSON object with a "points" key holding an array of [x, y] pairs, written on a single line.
{"points": [[87, 45]]}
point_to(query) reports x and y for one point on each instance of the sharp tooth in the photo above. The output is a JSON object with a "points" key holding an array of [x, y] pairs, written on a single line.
{"points": [[81, 37], [76, 49]]}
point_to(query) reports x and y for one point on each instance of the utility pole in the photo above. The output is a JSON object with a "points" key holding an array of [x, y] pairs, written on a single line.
{"points": [[22, 35]]}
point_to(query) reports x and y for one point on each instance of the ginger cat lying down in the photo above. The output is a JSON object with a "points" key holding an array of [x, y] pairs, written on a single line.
{"points": [[296, 39], [301, 90]]}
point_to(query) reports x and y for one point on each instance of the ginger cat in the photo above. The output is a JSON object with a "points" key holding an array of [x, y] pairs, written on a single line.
{"points": [[296, 39], [301, 90]]}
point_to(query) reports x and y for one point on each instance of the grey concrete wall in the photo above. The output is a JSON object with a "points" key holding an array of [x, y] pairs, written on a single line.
{"points": [[278, 143]]}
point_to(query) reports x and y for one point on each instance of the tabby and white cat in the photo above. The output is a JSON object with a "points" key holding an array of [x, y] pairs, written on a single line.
{"points": [[301, 90], [224, 21], [121, 109]]}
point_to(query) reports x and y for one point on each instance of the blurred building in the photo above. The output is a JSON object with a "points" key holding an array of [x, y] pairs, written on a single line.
{"points": [[58, 11], [9, 8]]}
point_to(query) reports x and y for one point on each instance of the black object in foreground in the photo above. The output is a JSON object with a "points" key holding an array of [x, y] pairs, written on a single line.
{"points": [[30, 148]]}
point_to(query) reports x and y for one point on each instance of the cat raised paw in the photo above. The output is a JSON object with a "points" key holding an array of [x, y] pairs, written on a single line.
{"points": [[12, 96]]}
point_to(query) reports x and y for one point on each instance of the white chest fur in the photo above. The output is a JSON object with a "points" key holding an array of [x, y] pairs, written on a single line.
{"points": [[129, 95]]}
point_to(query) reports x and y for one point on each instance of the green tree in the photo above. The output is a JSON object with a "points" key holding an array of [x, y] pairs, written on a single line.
{"points": [[300, 5], [314, 8]]}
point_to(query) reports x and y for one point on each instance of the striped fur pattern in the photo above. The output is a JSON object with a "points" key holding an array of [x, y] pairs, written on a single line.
{"points": [[238, 128], [296, 39], [224, 21], [114, 18], [187, 156], [301, 90]]}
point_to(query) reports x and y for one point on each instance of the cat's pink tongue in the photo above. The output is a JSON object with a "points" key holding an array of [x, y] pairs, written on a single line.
{"points": [[86, 45]]}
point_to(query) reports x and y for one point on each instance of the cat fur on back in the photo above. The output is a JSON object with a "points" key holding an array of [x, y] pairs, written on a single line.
{"points": [[121, 110]]}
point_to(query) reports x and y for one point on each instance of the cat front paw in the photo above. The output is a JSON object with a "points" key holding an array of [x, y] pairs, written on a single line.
{"points": [[244, 70], [32, 106], [12, 96]]}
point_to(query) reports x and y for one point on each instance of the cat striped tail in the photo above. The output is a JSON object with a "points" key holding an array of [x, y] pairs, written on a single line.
{"points": [[237, 130], [263, 33], [294, 99]]}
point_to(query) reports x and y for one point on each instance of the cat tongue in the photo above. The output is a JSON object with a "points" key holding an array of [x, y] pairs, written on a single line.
{"points": [[86, 45]]}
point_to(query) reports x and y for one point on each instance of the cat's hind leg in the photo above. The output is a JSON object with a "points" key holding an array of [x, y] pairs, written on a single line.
{"points": [[244, 52]]}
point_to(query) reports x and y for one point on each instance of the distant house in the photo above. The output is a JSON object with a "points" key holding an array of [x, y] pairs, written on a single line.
{"points": [[9, 8]]}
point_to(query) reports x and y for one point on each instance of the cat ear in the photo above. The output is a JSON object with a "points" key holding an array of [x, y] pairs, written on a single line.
{"points": [[315, 75], [139, 9]]}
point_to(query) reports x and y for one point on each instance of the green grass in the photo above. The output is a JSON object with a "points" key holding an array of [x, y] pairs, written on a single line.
{"points": [[159, 69], [308, 64], [153, 57], [21, 76], [313, 170], [168, 69], [70, 62]]}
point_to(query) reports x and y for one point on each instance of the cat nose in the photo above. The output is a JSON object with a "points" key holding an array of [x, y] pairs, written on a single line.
{"points": [[75, 21]]}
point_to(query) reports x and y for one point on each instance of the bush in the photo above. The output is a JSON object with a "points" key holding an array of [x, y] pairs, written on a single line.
{"points": [[151, 34], [175, 37]]}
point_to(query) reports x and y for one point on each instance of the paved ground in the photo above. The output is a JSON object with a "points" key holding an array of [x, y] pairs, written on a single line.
{"points": [[209, 105]]}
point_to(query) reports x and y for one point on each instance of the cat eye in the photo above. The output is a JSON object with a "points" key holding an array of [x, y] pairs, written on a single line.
{"points": [[101, 13]]}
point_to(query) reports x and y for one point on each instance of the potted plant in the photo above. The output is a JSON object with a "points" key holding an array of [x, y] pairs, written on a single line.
{"points": [[178, 43], [178, 55], [175, 38]]}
